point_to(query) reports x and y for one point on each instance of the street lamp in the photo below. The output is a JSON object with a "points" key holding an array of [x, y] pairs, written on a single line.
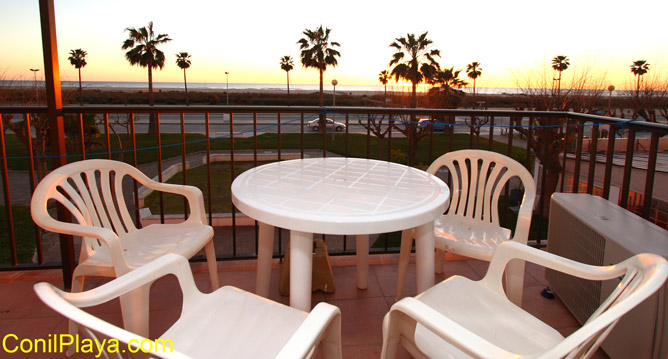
{"points": [[334, 83], [227, 93], [610, 89], [34, 71]]}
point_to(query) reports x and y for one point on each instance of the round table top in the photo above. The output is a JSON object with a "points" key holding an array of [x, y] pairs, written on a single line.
{"points": [[339, 195]]}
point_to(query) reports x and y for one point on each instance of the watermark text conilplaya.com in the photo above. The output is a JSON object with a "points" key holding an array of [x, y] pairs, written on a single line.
{"points": [[61, 343]]}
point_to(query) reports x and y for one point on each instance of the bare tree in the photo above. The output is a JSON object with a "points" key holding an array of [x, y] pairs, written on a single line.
{"points": [[547, 139]]}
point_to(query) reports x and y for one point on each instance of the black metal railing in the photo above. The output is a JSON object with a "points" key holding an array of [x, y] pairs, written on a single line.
{"points": [[188, 134]]}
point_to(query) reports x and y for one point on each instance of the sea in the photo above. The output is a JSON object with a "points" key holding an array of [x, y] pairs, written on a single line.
{"points": [[222, 86]]}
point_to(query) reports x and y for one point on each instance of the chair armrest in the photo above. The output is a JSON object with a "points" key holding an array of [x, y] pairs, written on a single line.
{"points": [[448, 329], [323, 317], [104, 235], [508, 251], [193, 195], [163, 266]]}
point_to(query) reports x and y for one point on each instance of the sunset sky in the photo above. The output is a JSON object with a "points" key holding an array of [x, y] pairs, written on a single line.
{"points": [[247, 38]]}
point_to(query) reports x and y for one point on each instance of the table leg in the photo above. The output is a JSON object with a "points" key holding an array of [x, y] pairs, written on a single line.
{"points": [[265, 251], [362, 261], [301, 269], [424, 256]]}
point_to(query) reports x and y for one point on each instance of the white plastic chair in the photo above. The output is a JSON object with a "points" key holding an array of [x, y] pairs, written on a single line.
{"points": [[461, 318], [228, 323], [471, 226], [92, 191]]}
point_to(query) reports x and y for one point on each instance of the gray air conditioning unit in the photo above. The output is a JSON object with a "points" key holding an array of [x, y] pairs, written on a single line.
{"points": [[592, 230]]}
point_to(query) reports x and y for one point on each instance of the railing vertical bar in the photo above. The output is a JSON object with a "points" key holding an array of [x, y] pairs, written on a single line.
{"points": [[390, 123], [255, 139], [431, 143], [346, 148], [491, 134], [608, 163], [504, 214], [532, 123], [593, 149], [33, 184], [278, 116], [563, 161], [543, 181], [107, 139], [184, 162], [83, 136], [649, 179], [451, 120], [628, 165], [368, 136], [578, 159], [323, 116], [133, 143], [234, 217], [209, 195], [256, 227], [8, 202], [159, 141], [301, 131]]}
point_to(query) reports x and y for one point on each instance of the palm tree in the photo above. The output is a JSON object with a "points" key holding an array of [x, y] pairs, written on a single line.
{"points": [[78, 60], [183, 61], [473, 71], [560, 63], [414, 61], [639, 68], [316, 53], [146, 54], [384, 78], [287, 64]]}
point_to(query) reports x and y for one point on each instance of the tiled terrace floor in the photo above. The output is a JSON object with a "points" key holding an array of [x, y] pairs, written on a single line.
{"points": [[23, 314]]}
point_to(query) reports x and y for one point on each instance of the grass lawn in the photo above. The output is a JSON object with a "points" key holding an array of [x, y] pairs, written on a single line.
{"points": [[358, 145], [220, 187], [24, 232]]}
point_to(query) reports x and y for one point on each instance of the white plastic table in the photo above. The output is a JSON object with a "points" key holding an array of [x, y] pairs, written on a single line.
{"points": [[339, 196]]}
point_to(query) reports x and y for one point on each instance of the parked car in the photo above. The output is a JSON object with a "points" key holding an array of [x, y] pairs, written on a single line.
{"points": [[438, 125], [331, 125]]}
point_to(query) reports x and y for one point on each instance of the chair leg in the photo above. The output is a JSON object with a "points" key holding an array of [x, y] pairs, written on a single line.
{"points": [[438, 262], [390, 338], [135, 310], [212, 264], [404, 256], [514, 278], [73, 328], [330, 345]]}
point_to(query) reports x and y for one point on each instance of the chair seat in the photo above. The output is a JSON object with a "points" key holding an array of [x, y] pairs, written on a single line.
{"points": [[468, 237], [144, 245], [484, 312], [235, 324]]}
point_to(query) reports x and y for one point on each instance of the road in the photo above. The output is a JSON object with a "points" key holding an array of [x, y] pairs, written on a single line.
{"points": [[219, 123]]}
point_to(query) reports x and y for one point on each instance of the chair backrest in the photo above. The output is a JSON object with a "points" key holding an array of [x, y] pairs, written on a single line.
{"points": [[92, 191], [478, 178]]}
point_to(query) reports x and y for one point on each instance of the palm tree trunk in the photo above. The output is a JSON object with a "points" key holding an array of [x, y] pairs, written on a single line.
{"points": [[185, 84], [474, 104], [414, 96], [321, 122], [638, 87], [80, 89], [152, 126], [288, 74], [385, 97]]}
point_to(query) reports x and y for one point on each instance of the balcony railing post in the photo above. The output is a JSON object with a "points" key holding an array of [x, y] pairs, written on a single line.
{"points": [[56, 126]]}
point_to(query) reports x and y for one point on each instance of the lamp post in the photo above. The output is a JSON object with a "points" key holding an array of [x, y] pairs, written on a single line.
{"points": [[227, 93], [610, 89], [34, 71], [334, 83]]}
